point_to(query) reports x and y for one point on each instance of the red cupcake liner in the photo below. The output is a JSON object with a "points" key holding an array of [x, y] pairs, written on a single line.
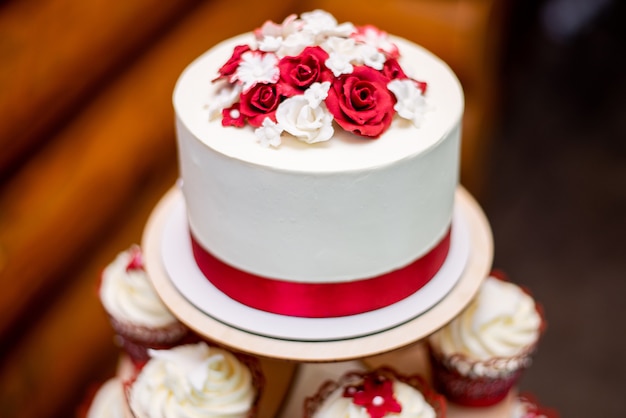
{"points": [[473, 391], [136, 340], [157, 336], [434, 399]]}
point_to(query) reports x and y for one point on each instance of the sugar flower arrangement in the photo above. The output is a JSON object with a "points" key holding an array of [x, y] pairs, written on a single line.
{"points": [[306, 75]]}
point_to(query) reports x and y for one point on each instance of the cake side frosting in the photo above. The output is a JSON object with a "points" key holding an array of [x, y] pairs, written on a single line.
{"points": [[340, 210]]}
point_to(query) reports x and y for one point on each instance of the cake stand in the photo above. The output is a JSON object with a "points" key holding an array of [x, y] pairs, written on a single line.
{"points": [[343, 344], [307, 355]]}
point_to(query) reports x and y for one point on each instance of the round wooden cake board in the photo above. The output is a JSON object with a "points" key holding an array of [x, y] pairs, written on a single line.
{"points": [[476, 268]]}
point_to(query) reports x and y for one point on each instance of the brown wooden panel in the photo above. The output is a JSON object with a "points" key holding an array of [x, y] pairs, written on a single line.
{"points": [[54, 52], [57, 213], [68, 193], [53, 366]]}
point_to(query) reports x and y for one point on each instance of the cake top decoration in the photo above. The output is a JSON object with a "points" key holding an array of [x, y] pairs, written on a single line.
{"points": [[309, 74]]}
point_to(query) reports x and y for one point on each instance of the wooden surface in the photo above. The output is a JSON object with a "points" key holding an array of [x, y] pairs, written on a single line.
{"points": [[476, 269]]}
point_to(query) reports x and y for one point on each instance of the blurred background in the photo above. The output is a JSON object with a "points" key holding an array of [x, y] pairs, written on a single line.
{"points": [[556, 194], [87, 140]]}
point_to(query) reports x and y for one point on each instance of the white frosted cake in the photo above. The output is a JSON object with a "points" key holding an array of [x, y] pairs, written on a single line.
{"points": [[319, 163]]}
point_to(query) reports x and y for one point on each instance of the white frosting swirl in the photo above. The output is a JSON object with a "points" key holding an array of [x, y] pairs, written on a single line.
{"points": [[413, 403], [109, 401], [193, 380], [128, 295], [501, 322]]}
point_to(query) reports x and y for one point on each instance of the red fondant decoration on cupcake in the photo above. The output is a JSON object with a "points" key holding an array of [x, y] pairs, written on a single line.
{"points": [[379, 393], [136, 259], [376, 395]]}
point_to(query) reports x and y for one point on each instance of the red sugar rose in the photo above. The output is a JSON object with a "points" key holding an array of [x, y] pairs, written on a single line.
{"points": [[361, 103], [258, 103], [297, 73]]}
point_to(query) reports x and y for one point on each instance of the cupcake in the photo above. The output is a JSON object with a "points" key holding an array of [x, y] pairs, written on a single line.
{"points": [[108, 402], [376, 394], [137, 314], [480, 355], [195, 380]]}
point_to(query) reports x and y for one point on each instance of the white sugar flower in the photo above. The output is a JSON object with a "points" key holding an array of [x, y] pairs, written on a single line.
{"points": [[339, 63], [411, 103], [371, 56], [318, 21], [316, 93], [336, 44], [307, 123], [225, 97], [295, 43], [256, 67], [290, 25], [377, 38], [345, 29], [270, 43], [268, 133], [323, 24]]}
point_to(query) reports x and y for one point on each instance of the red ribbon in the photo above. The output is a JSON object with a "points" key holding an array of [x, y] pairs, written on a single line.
{"points": [[321, 300]]}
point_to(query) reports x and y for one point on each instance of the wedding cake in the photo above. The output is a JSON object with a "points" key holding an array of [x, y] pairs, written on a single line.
{"points": [[319, 164]]}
